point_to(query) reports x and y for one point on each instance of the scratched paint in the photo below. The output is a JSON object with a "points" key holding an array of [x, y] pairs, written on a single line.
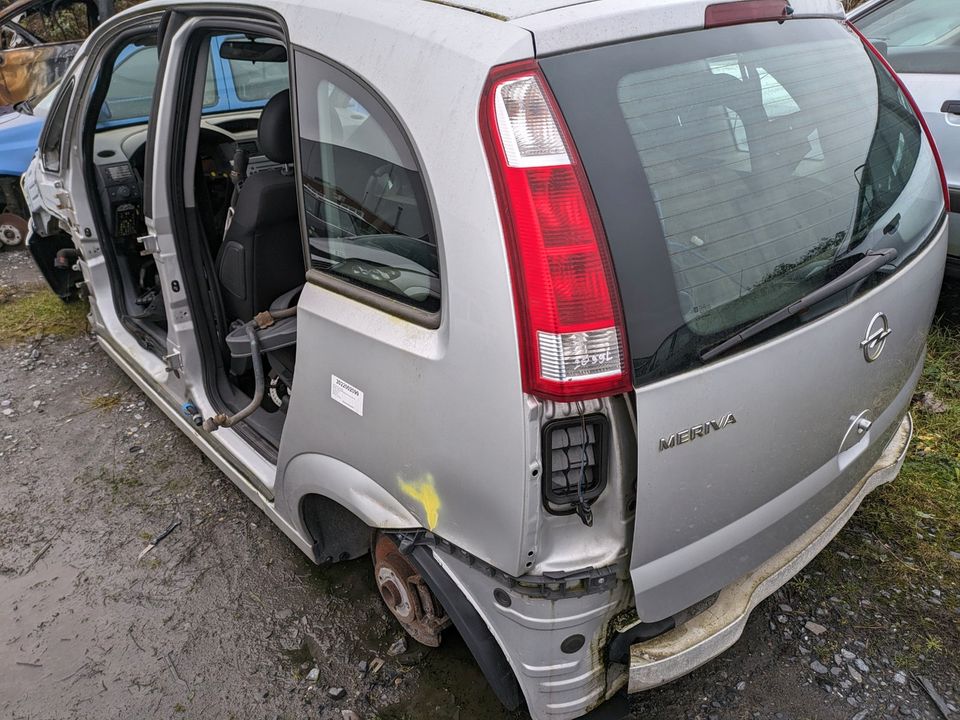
{"points": [[424, 492]]}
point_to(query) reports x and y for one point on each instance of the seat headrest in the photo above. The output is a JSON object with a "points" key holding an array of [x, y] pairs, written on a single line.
{"points": [[274, 133]]}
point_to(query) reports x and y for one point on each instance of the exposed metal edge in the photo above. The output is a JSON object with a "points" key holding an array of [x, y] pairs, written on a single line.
{"points": [[705, 636], [228, 469], [549, 586]]}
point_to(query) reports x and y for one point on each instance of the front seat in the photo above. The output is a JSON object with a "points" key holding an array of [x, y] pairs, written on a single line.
{"points": [[261, 256]]}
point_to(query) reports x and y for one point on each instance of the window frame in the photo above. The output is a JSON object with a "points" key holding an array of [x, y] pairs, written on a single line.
{"points": [[61, 104], [328, 281]]}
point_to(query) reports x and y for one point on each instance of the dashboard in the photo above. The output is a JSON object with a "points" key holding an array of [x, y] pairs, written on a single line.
{"points": [[120, 164]]}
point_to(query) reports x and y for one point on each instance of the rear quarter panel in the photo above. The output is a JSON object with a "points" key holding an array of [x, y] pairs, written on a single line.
{"points": [[443, 423]]}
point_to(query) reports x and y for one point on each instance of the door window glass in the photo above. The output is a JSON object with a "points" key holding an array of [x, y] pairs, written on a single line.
{"points": [[366, 212]]}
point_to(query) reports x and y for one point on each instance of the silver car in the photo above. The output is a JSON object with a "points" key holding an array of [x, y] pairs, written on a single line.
{"points": [[592, 322], [921, 40]]}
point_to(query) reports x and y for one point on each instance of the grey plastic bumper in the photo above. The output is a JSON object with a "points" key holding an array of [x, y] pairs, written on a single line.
{"points": [[709, 633]]}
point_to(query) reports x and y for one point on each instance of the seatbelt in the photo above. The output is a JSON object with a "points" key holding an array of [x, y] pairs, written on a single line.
{"points": [[238, 175]]}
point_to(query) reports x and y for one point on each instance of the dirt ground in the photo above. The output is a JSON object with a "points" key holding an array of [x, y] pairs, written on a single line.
{"points": [[227, 619]]}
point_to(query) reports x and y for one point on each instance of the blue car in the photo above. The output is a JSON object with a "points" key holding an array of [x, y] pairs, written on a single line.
{"points": [[230, 87]]}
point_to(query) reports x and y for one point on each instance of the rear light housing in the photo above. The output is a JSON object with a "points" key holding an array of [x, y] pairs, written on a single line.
{"points": [[916, 109], [574, 462], [573, 345], [745, 11]]}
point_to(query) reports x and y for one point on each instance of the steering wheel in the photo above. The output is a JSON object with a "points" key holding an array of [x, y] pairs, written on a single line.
{"points": [[216, 150]]}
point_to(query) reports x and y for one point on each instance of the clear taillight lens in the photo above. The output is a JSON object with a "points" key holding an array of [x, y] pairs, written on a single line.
{"points": [[528, 131], [572, 338]]}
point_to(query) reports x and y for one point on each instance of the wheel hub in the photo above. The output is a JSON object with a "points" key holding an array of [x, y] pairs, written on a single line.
{"points": [[406, 595], [13, 229]]}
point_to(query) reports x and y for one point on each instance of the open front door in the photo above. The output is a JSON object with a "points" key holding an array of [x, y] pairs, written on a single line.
{"points": [[51, 240]]}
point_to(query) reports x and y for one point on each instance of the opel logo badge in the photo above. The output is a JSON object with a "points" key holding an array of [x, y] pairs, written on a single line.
{"points": [[876, 337]]}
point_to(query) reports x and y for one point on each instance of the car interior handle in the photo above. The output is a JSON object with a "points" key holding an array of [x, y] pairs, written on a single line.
{"points": [[951, 107]]}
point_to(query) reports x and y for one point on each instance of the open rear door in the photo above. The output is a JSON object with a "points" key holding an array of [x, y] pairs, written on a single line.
{"points": [[53, 222]]}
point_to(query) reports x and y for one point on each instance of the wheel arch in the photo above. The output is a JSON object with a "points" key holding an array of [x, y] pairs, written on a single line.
{"points": [[316, 490]]}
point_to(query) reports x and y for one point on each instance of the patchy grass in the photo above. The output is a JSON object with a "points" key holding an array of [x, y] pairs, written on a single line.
{"points": [[894, 563], [916, 519], [891, 579], [105, 402], [40, 313]]}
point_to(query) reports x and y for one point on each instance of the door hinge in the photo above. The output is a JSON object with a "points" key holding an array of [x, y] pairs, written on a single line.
{"points": [[174, 362], [150, 245]]}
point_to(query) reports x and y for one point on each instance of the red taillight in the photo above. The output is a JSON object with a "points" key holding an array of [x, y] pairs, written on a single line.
{"points": [[745, 11], [573, 344], [916, 110]]}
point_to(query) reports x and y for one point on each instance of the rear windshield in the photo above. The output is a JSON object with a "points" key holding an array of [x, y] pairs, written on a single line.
{"points": [[737, 170]]}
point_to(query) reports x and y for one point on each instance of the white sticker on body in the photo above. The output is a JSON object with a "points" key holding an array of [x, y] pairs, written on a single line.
{"points": [[346, 394]]}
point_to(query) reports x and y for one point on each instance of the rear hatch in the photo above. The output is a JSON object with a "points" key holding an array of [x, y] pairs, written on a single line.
{"points": [[737, 170]]}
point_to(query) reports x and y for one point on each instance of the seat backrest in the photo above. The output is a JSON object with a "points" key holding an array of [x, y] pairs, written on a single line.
{"points": [[262, 255]]}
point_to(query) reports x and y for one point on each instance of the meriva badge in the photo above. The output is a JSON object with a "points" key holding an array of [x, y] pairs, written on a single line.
{"points": [[689, 434]]}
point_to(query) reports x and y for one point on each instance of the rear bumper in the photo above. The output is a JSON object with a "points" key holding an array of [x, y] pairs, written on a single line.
{"points": [[709, 633]]}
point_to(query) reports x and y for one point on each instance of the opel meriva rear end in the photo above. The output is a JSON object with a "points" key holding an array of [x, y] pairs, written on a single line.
{"points": [[737, 235]]}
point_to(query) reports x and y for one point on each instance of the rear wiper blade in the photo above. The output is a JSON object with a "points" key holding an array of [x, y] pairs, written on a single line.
{"points": [[864, 268]]}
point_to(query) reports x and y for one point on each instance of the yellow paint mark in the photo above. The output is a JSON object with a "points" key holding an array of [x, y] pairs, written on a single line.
{"points": [[425, 493]]}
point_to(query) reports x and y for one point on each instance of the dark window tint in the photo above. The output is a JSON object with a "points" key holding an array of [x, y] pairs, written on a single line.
{"points": [[366, 213], [51, 143], [919, 36], [737, 171]]}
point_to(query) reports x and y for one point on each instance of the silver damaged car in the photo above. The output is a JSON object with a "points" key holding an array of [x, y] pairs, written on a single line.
{"points": [[591, 322]]}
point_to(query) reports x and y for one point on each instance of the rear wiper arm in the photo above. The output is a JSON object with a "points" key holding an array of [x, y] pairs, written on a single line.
{"points": [[864, 268]]}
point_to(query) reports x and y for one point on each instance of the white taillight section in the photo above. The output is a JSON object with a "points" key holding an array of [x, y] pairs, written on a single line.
{"points": [[579, 355], [528, 131], [573, 344]]}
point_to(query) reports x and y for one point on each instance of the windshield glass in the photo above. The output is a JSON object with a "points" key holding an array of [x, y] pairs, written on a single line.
{"points": [[918, 36], [737, 171], [913, 23]]}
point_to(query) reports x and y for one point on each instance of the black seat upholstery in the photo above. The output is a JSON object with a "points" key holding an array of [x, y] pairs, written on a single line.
{"points": [[262, 256]]}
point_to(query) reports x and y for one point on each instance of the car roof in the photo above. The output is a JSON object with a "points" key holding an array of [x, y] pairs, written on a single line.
{"points": [[514, 9], [510, 9]]}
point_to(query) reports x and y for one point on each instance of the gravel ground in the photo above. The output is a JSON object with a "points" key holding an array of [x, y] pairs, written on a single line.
{"points": [[226, 619]]}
